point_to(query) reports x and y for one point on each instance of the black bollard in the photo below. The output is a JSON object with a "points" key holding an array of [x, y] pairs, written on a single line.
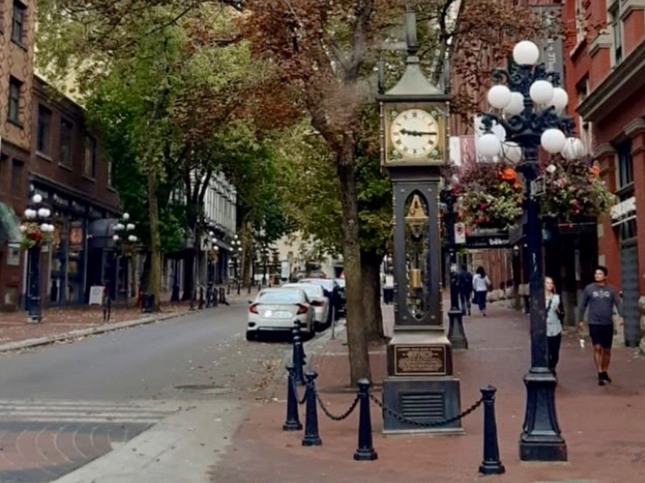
{"points": [[311, 437], [298, 327], [491, 465], [297, 359], [365, 451], [293, 419]]}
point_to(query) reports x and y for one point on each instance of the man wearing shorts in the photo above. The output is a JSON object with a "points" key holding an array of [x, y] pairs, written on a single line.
{"points": [[601, 300]]}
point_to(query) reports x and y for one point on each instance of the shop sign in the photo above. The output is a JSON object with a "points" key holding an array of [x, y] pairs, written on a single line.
{"points": [[76, 237], [460, 233], [623, 211]]}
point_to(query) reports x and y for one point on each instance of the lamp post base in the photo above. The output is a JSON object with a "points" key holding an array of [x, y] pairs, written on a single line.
{"points": [[456, 334], [541, 439]]}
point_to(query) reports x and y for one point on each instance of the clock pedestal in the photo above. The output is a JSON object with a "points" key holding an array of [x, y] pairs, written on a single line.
{"points": [[420, 385]]}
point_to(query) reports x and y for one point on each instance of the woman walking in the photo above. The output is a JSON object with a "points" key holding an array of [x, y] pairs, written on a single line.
{"points": [[481, 283], [553, 324]]}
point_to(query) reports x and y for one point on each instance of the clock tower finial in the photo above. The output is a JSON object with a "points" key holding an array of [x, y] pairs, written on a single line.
{"points": [[411, 31]]}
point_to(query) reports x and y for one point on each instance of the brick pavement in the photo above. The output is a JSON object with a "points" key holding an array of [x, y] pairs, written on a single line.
{"points": [[604, 426]]}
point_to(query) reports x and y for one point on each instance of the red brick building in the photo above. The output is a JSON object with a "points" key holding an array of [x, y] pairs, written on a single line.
{"points": [[605, 63]]}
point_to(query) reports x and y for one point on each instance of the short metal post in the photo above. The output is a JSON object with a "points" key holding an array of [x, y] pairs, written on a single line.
{"points": [[311, 437], [365, 451], [298, 327], [297, 357], [293, 418], [491, 465], [209, 295]]}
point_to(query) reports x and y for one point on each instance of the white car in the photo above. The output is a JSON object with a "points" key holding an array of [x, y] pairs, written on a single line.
{"points": [[277, 309], [320, 303]]}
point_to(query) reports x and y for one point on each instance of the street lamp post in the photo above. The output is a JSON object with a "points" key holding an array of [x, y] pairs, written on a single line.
{"points": [[212, 254], [236, 246], [38, 219], [456, 333], [124, 241], [529, 107]]}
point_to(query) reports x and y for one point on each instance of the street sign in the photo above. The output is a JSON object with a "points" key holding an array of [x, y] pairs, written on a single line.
{"points": [[460, 233], [497, 239], [96, 295]]}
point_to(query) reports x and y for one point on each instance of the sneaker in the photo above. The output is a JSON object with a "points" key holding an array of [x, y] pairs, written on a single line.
{"points": [[606, 377], [601, 379]]}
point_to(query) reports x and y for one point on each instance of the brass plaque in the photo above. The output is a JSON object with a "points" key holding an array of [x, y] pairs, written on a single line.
{"points": [[419, 360]]}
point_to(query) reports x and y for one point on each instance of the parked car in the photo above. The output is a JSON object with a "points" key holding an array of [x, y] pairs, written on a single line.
{"points": [[277, 310], [332, 292], [320, 303]]}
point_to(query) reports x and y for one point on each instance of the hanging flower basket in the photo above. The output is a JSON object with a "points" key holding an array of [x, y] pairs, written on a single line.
{"points": [[33, 235], [574, 190], [490, 196]]}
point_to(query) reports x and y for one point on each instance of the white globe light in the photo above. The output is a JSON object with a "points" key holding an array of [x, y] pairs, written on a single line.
{"points": [[29, 213], [115, 238], [541, 92], [551, 168], [130, 226], [51, 228], [499, 96], [118, 227], [488, 145], [574, 148], [516, 104], [37, 198], [43, 227], [23, 228], [126, 216], [512, 152], [553, 140], [560, 98], [132, 238], [526, 53]]}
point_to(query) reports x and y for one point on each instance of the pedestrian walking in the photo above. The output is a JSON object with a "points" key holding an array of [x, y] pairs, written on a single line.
{"points": [[481, 284], [465, 287], [553, 324], [601, 299]]}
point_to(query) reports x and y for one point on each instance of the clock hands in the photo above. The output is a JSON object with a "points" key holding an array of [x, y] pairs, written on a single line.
{"points": [[418, 133]]}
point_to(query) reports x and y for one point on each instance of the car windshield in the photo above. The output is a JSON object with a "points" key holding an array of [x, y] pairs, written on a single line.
{"points": [[325, 283], [311, 290], [280, 297]]}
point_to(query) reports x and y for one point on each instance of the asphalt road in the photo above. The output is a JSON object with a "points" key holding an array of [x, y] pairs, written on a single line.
{"points": [[175, 359]]}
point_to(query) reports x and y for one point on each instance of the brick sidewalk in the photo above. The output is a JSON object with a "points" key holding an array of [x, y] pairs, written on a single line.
{"points": [[604, 426]]}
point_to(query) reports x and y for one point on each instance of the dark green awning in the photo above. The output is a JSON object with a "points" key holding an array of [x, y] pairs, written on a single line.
{"points": [[9, 225]]}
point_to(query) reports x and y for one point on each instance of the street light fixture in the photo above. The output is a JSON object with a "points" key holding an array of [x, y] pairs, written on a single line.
{"points": [[124, 244], [536, 124], [37, 231]]}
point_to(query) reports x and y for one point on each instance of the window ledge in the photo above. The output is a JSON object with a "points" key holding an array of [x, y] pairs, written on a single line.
{"points": [[44, 156], [89, 178], [111, 188], [16, 123], [64, 166], [19, 44]]}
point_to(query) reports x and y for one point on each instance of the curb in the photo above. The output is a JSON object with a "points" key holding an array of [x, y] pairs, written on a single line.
{"points": [[110, 327]]}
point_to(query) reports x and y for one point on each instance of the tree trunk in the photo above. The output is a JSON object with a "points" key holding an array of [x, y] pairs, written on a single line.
{"points": [[154, 283], [371, 273], [359, 361]]}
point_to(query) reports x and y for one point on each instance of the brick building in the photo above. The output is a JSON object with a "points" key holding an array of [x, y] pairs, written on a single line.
{"points": [[16, 129], [606, 81]]}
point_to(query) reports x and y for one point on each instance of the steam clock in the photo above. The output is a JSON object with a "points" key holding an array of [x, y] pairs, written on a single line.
{"points": [[420, 385]]}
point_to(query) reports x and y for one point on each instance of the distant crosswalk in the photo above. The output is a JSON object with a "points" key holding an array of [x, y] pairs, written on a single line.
{"points": [[144, 412]]}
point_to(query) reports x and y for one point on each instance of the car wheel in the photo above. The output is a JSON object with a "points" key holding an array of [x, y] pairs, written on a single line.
{"points": [[250, 335]]}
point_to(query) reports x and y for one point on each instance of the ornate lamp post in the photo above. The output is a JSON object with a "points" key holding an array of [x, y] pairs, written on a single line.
{"points": [[236, 247], [124, 242], [528, 107], [211, 256], [37, 231], [456, 333]]}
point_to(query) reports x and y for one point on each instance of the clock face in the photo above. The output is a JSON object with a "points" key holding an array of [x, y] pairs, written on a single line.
{"points": [[414, 133]]}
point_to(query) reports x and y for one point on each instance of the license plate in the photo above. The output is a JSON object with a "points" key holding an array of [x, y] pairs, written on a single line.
{"points": [[277, 314]]}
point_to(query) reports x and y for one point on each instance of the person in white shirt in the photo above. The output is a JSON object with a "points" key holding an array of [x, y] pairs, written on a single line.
{"points": [[481, 283], [553, 324]]}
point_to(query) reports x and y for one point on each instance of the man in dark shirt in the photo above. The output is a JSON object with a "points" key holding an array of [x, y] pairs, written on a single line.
{"points": [[601, 299], [465, 285]]}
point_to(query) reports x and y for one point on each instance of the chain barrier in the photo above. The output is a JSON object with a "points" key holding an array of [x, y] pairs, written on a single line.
{"points": [[430, 424], [333, 417], [294, 386]]}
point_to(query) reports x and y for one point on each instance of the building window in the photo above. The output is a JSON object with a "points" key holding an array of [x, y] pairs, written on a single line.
{"points": [[15, 88], [44, 130], [110, 174], [617, 33], [625, 171], [16, 179], [19, 20], [580, 22], [66, 132], [89, 168]]}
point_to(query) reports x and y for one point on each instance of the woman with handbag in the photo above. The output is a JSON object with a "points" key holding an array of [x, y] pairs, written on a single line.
{"points": [[481, 284], [553, 323]]}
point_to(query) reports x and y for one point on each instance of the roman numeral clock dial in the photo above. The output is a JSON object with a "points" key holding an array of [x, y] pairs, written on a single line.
{"points": [[414, 133]]}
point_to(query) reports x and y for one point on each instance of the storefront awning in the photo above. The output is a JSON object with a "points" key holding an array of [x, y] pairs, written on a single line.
{"points": [[9, 225]]}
